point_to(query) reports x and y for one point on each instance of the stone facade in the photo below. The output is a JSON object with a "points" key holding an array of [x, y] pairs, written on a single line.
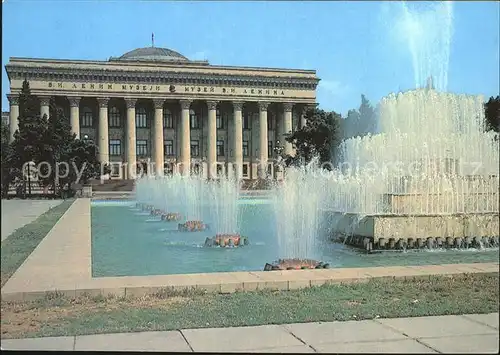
{"points": [[154, 105]]}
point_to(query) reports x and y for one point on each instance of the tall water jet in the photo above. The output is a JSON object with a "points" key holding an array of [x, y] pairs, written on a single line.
{"points": [[430, 175], [297, 202], [428, 34]]}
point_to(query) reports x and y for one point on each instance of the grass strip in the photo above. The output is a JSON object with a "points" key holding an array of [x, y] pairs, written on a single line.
{"points": [[20, 244], [168, 310]]}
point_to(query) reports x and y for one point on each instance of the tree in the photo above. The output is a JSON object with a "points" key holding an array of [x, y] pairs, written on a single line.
{"points": [[360, 122], [367, 117], [28, 144], [5, 168], [57, 143], [492, 114], [319, 136], [40, 139]]}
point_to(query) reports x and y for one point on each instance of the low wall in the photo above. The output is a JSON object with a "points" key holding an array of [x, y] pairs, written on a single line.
{"points": [[416, 226]]}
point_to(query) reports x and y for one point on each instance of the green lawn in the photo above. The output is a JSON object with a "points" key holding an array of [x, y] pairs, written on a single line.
{"points": [[58, 316], [19, 245]]}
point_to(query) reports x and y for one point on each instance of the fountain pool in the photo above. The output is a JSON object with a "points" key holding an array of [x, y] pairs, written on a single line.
{"points": [[129, 242]]}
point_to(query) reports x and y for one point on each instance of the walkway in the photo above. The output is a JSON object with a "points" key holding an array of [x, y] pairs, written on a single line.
{"points": [[18, 213], [441, 334]]}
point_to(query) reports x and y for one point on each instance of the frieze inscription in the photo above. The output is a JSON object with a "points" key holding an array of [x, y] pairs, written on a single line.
{"points": [[172, 89]]}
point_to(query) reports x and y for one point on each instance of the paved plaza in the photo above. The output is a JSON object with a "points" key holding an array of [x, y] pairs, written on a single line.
{"points": [[476, 334], [18, 213]]}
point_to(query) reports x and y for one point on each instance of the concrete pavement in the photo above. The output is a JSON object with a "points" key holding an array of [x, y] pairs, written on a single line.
{"points": [[17, 213], [441, 334]]}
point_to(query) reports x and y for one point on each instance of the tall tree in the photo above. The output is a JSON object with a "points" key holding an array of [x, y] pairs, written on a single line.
{"points": [[57, 144], [51, 141], [319, 136], [5, 153], [492, 114], [367, 117], [361, 121], [28, 144]]}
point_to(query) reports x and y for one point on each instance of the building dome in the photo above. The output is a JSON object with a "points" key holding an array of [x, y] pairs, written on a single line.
{"points": [[153, 54]]}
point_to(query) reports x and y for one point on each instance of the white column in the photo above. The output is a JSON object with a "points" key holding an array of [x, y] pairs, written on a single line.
{"points": [[158, 132], [131, 153], [74, 114], [238, 138], [103, 130], [185, 137], [212, 139], [287, 127], [303, 120], [13, 115], [263, 139], [44, 106]]}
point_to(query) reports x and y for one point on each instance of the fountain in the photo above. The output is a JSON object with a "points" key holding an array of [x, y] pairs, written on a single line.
{"points": [[195, 200], [430, 177]]}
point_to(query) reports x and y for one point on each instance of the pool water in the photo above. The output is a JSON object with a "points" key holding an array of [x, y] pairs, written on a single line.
{"points": [[129, 242]]}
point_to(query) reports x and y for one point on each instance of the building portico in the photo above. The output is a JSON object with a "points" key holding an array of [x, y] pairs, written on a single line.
{"points": [[153, 104]]}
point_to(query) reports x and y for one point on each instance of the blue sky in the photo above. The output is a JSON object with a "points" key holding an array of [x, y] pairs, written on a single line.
{"points": [[352, 45]]}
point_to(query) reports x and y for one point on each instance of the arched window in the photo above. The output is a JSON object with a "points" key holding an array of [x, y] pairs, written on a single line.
{"points": [[141, 118], [87, 118], [168, 119], [114, 117], [194, 119]]}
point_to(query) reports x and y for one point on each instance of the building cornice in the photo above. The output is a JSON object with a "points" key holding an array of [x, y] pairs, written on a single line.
{"points": [[179, 77]]}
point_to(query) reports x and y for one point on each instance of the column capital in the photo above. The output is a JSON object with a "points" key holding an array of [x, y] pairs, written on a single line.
{"points": [[13, 99], [74, 101], [158, 103], [44, 100], [238, 105], [212, 105], [185, 104], [287, 106], [130, 102], [263, 105], [103, 102]]}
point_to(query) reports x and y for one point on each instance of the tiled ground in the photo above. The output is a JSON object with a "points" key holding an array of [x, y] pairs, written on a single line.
{"points": [[443, 334], [62, 262], [17, 213]]}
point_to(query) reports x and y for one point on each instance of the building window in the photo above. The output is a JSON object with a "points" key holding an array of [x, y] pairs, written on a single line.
{"points": [[195, 148], [245, 149], [194, 120], [87, 117], [169, 147], [246, 120], [219, 119], [168, 119], [270, 149], [142, 147], [115, 147], [270, 121], [141, 118], [220, 148], [114, 117], [245, 170]]}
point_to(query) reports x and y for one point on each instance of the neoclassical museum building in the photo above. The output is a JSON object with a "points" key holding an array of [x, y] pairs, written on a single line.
{"points": [[154, 105]]}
